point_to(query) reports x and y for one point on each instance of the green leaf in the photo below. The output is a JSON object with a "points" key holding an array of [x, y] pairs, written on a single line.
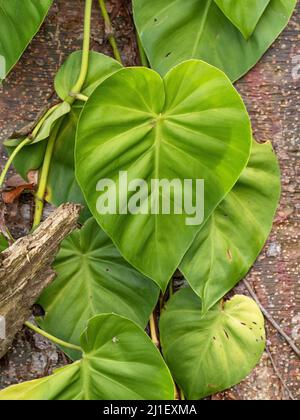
{"points": [[245, 14], [229, 243], [62, 186], [190, 125], [92, 278], [119, 363], [19, 22], [173, 31], [3, 243], [100, 67], [44, 132], [215, 352], [29, 159], [13, 142]]}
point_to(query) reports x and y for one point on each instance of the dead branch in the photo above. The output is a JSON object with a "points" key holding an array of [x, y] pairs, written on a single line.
{"points": [[280, 377], [25, 270], [272, 320]]}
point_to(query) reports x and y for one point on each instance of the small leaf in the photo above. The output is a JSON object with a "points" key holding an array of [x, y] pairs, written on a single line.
{"points": [[212, 353], [119, 363], [245, 14], [13, 142], [190, 125], [228, 244], [29, 159], [100, 67], [19, 22], [44, 132], [92, 278]]}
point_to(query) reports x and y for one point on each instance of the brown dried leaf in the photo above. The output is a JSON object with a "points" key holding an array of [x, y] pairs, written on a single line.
{"points": [[10, 196]]}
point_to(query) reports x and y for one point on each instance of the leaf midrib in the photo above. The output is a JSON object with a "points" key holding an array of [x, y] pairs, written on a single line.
{"points": [[202, 26]]}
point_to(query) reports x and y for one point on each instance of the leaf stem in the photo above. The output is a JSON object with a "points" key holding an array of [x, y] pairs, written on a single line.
{"points": [[85, 51], [143, 57], [153, 331], [109, 31], [40, 195], [24, 143], [52, 338], [79, 96]]}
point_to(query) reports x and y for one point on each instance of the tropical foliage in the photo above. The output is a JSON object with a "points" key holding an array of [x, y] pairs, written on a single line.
{"points": [[180, 119]]}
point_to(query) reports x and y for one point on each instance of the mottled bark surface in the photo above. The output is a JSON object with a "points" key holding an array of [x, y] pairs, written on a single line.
{"points": [[271, 92], [25, 270]]}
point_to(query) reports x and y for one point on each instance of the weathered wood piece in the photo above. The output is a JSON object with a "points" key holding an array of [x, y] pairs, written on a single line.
{"points": [[25, 270]]}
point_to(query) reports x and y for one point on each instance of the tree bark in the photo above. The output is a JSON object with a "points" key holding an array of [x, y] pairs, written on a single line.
{"points": [[25, 270]]}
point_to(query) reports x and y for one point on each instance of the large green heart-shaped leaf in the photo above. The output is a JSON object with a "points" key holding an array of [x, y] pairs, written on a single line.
{"points": [[173, 31], [92, 278], [119, 363], [243, 14], [227, 246], [190, 125], [211, 353], [19, 22], [62, 186]]}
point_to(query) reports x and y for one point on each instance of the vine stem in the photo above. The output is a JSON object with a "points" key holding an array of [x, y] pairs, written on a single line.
{"points": [[153, 331], [51, 337], [79, 96], [24, 143], [40, 195], [109, 29], [85, 51]]}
